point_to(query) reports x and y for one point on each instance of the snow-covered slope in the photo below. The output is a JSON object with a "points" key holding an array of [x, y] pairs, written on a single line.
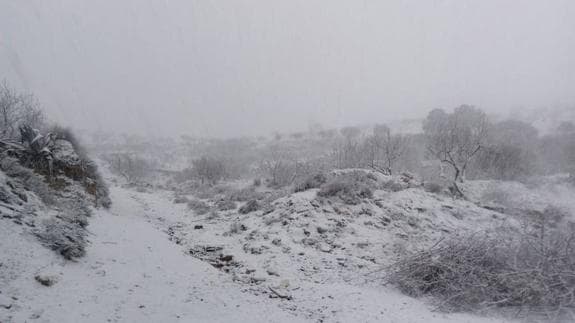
{"points": [[132, 272]]}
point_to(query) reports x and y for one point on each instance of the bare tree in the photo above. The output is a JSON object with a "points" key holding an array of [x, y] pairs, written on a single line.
{"points": [[348, 151], [208, 169], [132, 168], [279, 167], [386, 149], [17, 110], [456, 138]]}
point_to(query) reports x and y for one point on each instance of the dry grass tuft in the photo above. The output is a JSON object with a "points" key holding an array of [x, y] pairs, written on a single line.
{"points": [[532, 271]]}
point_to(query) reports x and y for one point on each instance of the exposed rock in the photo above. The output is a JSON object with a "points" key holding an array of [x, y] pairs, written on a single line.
{"points": [[250, 207], [324, 247], [46, 280], [5, 302], [272, 272]]}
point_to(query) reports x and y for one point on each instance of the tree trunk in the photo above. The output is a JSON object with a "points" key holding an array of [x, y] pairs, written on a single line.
{"points": [[457, 174]]}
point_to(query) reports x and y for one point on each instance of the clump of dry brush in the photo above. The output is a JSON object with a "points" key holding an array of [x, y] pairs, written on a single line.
{"points": [[530, 271]]}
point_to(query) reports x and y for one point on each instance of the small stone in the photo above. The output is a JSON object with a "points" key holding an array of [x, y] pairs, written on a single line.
{"points": [[198, 227], [5, 302], [46, 280], [321, 230], [272, 272], [227, 258], [258, 279], [256, 251], [324, 247]]}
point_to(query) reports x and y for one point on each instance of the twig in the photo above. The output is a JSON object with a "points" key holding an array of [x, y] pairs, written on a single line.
{"points": [[288, 297]]}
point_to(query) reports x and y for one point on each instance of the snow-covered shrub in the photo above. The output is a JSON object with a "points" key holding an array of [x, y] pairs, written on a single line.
{"points": [[347, 189], [134, 169], [181, 200], [31, 181], [198, 206], [433, 187], [62, 133], [71, 159], [531, 270], [249, 207], [314, 181], [244, 194], [393, 186], [226, 205], [63, 237]]}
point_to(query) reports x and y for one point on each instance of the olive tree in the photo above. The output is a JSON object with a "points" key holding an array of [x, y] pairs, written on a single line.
{"points": [[456, 138]]}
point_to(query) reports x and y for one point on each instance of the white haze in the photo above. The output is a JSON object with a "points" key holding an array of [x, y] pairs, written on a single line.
{"points": [[226, 68]]}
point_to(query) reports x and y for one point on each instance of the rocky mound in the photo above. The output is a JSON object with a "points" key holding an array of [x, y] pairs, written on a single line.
{"points": [[325, 235], [52, 204]]}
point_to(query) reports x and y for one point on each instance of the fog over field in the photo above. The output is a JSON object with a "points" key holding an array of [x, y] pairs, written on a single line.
{"points": [[251, 67], [287, 161]]}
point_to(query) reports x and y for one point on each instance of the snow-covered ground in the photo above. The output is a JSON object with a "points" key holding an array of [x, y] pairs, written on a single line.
{"points": [[133, 273]]}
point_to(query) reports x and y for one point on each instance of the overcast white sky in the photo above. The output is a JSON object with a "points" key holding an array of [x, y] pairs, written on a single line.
{"points": [[244, 67]]}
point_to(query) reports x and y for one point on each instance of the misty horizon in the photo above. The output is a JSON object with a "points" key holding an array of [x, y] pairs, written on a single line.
{"points": [[166, 68]]}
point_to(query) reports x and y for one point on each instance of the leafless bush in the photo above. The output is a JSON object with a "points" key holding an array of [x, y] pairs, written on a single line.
{"points": [[279, 172], [132, 168], [226, 205], [199, 207], [244, 194], [532, 270]]}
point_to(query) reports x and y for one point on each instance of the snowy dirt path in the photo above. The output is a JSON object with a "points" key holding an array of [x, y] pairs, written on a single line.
{"points": [[131, 273]]}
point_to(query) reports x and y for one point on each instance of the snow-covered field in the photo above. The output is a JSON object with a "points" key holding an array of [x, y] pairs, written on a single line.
{"points": [[138, 268]]}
